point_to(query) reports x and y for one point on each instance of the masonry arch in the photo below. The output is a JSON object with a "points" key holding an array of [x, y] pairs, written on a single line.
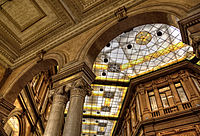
{"points": [[112, 29], [22, 75]]}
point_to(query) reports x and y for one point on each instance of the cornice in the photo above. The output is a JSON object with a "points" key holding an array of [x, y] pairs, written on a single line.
{"points": [[187, 22], [186, 64], [74, 71]]}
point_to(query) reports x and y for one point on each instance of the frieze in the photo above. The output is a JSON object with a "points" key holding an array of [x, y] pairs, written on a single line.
{"points": [[161, 80], [189, 131]]}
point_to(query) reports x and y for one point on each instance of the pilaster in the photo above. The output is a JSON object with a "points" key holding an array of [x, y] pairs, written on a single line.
{"points": [[143, 100]]}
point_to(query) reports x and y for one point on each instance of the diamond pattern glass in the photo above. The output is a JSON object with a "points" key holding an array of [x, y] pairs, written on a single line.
{"points": [[143, 49]]}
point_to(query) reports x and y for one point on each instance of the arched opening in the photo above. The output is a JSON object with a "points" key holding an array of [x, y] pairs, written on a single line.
{"points": [[130, 48], [23, 76], [12, 126], [116, 28]]}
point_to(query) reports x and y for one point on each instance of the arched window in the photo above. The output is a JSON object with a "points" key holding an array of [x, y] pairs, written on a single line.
{"points": [[12, 127]]}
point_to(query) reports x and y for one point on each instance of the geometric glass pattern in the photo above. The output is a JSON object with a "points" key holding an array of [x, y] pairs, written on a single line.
{"points": [[143, 49], [105, 102], [143, 38], [124, 57], [100, 105], [97, 127]]}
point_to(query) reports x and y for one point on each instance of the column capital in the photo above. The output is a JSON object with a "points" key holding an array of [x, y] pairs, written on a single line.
{"points": [[61, 91], [80, 88], [73, 72]]}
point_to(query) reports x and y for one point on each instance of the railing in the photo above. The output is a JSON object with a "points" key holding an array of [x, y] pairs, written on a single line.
{"points": [[186, 105], [155, 114], [170, 109]]}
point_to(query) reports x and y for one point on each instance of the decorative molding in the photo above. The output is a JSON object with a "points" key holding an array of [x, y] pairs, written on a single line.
{"points": [[5, 109], [189, 131], [73, 72], [121, 14], [28, 24]]}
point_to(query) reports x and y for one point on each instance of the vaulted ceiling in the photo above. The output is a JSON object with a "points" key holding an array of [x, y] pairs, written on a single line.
{"points": [[28, 26]]}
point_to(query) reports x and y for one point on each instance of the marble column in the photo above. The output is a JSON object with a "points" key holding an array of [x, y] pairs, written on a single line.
{"points": [[56, 117], [73, 124]]}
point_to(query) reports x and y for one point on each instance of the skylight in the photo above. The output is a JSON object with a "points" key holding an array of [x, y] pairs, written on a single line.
{"points": [[143, 49]]}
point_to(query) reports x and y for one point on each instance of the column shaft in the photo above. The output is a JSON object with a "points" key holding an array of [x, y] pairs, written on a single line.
{"points": [[56, 117], [73, 122]]}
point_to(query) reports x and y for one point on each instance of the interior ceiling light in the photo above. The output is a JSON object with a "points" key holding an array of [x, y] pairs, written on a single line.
{"points": [[159, 33], [143, 38], [129, 46], [105, 60], [108, 45], [124, 64]]}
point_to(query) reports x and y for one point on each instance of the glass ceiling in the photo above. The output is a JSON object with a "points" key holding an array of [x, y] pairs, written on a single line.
{"points": [[143, 49]]}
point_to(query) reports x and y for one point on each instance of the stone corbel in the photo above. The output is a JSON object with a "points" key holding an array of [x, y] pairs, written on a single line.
{"points": [[196, 44]]}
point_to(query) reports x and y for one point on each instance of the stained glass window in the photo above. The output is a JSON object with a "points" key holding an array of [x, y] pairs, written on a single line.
{"points": [[143, 49]]}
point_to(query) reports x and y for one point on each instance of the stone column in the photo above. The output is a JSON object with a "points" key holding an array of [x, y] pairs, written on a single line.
{"points": [[73, 124], [56, 117]]}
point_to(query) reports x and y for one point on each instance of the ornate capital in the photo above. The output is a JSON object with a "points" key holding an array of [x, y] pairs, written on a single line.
{"points": [[62, 90], [80, 88], [141, 89], [183, 74]]}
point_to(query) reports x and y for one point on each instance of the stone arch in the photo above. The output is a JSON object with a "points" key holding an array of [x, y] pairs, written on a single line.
{"points": [[22, 75], [113, 28], [22, 123]]}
